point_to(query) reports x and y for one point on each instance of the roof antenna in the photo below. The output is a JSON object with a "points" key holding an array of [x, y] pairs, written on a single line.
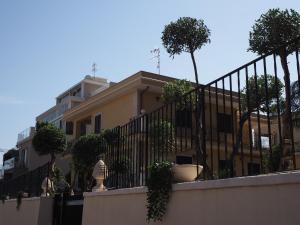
{"points": [[94, 69], [156, 53]]}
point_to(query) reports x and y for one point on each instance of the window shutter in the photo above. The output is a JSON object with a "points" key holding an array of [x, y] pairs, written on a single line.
{"points": [[97, 124], [69, 128]]}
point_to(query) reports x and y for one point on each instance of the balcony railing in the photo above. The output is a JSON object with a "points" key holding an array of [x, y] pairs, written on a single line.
{"points": [[26, 134]]}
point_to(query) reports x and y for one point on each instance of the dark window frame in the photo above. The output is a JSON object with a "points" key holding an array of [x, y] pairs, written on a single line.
{"points": [[98, 123], [225, 123]]}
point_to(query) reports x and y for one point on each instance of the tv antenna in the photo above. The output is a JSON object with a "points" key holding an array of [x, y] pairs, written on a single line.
{"points": [[156, 53], [94, 69]]}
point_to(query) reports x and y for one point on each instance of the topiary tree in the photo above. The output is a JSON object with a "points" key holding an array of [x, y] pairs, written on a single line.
{"points": [[175, 90], [185, 35], [49, 140], [271, 32], [85, 153]]}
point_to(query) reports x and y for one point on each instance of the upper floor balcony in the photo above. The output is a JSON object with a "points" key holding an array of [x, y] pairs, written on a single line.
{"points": [[25, 134]]}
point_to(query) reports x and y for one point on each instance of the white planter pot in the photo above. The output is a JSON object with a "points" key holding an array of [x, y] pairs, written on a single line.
{"points": [[186, 172]]}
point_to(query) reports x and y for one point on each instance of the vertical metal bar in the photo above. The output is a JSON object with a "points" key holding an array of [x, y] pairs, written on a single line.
{"points": [[211, 130], [298, 72], [232, 120], [278, 103], [168, 131], [159, 126], [203, 132], [191, 117], [267, 105], [249, 120], [147, 150], [180, 121], [258, 117], [164, 136], [218, 134], [174, 115], [240, 115], [224, 111], [185, 120]]}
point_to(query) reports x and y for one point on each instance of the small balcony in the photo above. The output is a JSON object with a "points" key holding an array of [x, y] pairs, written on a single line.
{"points": [[25, 134]]}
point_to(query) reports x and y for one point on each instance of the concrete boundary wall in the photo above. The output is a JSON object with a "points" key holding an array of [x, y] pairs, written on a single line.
{"points": [[32, 211], [267, 199]]}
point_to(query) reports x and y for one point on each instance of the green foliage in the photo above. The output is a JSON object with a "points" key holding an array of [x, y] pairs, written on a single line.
{"points": [[257, 96], [59, 181], [111, 136], [86, 150], [162, 135], [121, 165], [274, 29], [295, 97], [175, 90], [185, 35], [48, 139], [272, 163], [159, 189]]}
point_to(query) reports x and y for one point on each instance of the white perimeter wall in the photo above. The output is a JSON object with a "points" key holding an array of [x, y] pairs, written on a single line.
{"points": [[270, 199], [32, 211]]}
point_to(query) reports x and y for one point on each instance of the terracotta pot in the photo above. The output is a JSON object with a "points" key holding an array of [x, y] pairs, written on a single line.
{"points": [[186, 172]]}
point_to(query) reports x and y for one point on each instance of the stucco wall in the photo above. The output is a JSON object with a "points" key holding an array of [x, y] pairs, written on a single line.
{"points": [[272, 199], [33, 211]]}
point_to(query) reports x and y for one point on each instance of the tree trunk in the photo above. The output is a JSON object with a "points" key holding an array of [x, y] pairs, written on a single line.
{"points": [[52, 164], [239, 134], [195, 68], [287, 112]]}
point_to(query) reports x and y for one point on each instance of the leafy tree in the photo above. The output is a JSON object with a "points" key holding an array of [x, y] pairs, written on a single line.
{"points": [[271, 32], [86, 153], [254, 99], [49, 139], [295, 96], [185, 35], [162, 136], [175, 90]]}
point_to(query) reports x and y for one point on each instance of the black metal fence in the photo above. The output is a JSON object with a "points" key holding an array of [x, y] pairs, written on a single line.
{"points": [[29, 182], [244, 123]]}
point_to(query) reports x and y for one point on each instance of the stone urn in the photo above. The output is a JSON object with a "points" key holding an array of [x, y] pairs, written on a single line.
{"points": [[186, 172], [99, 174], [46, 186]]}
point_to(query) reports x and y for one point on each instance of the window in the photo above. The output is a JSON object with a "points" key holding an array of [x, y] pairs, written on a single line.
{"points": [[224, 123], [98, 124], [253, 168], [265, 144], [184, 118], [69, 128]]}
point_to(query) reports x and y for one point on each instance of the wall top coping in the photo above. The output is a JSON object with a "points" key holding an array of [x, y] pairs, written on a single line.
{"points": [[291, 177], [27, 199]]}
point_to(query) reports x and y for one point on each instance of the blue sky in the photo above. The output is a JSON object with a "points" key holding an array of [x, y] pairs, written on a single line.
{"points": [[47, 46]]}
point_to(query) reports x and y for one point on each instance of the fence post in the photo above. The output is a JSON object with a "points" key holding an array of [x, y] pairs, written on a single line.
{"points": [[146, 149], [203, 132]]}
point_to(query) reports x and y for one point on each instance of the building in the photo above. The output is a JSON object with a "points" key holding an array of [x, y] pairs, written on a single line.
{"points": [[116, 105], [28, 158]]}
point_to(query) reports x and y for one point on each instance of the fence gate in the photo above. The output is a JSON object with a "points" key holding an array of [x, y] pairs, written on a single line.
{"points": [[67, 210]]}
